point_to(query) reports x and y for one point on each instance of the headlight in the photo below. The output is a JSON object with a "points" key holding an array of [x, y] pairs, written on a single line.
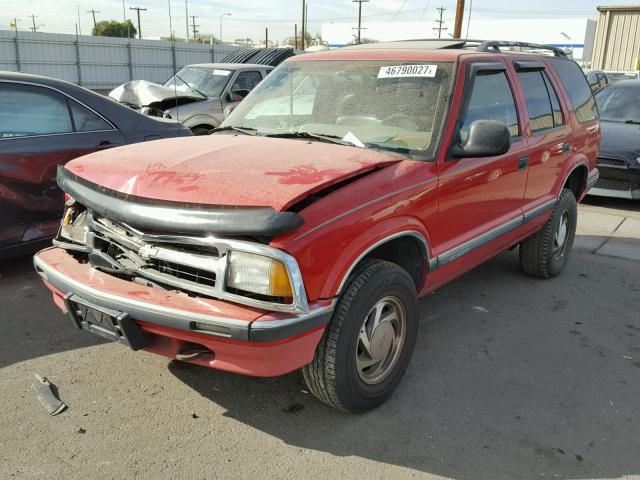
{"points": [[258, 274], [73, 225]]}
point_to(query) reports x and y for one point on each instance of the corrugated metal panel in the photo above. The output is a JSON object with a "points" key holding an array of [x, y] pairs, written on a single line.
{"points": [[100, 62], [617, 44]]}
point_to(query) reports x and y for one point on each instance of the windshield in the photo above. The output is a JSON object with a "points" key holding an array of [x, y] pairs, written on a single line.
{"points": [[619, 104], [382, 104], [207, 82]]}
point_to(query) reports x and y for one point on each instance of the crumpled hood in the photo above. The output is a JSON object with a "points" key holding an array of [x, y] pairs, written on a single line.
{"points": [[620, 140], [223, 169], [142, 93]]}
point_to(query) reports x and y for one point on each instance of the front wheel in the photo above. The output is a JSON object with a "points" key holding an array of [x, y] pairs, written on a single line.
{"points": [[546, 253], [367, 346]]}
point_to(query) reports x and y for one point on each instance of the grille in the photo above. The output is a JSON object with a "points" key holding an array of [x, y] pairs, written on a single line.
{"points": [[183, 272], [610, 184], [125, 249], [611, 162]]}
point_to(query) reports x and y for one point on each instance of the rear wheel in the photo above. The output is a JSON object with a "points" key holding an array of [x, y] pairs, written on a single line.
{"points": [[546, 253], [367, 346]]}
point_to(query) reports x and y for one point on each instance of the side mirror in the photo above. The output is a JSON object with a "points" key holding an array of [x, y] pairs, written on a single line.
{"points": [[487, 138]]}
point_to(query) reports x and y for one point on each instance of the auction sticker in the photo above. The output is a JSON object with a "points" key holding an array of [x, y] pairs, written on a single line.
{"points": [[407, 71]]}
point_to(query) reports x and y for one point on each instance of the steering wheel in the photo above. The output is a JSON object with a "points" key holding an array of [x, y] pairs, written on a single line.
{"points": [[401, 120]]}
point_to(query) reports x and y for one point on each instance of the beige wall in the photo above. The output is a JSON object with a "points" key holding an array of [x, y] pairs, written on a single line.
{"points": [[617, 43]]}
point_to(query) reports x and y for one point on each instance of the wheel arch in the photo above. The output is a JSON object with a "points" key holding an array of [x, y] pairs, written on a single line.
{"points": [[393, 248], [576, 180]]}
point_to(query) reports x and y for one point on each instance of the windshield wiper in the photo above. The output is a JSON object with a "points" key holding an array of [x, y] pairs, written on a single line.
{"points": [[379, 146], [193, 89], [243, 130], [324, 138], [633, 122]]}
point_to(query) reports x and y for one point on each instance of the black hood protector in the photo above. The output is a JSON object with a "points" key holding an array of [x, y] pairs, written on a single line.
{"points": [[188, 218]]}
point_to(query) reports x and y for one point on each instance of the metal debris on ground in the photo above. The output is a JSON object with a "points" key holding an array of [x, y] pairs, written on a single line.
{"points": [[47, 396]]}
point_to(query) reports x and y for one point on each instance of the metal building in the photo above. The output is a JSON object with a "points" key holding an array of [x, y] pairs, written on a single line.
{"points": [[617, 44]]}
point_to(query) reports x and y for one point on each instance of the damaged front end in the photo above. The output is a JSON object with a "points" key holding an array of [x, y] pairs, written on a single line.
{"points": [[200, 250], [152, 99]]}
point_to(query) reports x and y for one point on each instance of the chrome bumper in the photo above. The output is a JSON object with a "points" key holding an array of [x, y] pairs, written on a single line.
{"points": [[243, 330]]}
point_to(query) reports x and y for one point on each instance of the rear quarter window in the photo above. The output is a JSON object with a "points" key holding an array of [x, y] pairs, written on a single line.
{"points": [[578, 89]]}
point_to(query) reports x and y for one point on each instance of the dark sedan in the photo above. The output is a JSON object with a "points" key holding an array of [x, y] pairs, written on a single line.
{"points": [[619, 155], [45, 123]]}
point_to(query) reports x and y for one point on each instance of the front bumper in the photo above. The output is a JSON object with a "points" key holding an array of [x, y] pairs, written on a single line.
{"points": [[617, 181], [242, 339]]}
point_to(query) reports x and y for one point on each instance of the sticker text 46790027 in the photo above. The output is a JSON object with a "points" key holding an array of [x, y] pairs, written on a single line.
{"points": [[405, 71]]}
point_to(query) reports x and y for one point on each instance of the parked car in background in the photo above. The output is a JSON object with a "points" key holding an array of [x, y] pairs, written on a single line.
{"points": [[618, 75], [619, 156], [197, 95], [302, 237], [597, 79], [45, 123]]}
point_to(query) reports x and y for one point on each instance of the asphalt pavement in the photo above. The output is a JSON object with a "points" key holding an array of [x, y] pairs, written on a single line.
{"points": [[513, 377]]}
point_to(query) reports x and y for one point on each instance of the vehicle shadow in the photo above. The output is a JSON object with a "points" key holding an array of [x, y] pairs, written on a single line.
{"points": [[512, 377], [32, 326], [611, 202]]}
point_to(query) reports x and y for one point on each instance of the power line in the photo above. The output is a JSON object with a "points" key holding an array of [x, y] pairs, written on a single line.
{"points": [[138, 9], [359, 28], [93, 12], [440, 22]]}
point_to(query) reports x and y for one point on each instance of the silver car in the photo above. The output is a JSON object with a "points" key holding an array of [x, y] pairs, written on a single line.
{"points": [[199, 95]]}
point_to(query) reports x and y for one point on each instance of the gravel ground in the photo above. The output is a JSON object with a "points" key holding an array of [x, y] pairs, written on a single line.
{"points": [[512, 377]]}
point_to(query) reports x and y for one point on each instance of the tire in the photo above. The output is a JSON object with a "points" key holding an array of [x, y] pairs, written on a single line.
{"points": [[333, 376], [201, 130], [540, 254]]}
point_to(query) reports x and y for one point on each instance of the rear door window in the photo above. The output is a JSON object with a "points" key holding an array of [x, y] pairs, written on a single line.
{"points": [[87, 121], [27, 111], [577, 88], [491, 99], [542, 101]]}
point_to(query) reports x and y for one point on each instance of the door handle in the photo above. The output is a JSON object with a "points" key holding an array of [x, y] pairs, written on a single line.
{"points": [[523, 163]]}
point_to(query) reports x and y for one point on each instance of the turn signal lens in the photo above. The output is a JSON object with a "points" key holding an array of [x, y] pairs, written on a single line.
{"points": [[259, 274]]}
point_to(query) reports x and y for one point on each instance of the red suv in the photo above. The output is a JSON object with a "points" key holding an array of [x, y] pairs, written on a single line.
{"points": [[347, 185]]}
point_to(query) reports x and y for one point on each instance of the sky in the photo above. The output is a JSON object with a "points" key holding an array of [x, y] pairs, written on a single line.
{"points": [[249, 18]]}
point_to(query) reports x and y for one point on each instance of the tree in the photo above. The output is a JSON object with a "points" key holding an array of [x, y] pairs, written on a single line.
{"points": [[114, 28]]}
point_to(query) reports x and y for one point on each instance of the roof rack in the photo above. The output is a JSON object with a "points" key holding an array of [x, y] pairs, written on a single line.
{"points": [[487, 45], [494, 45]]}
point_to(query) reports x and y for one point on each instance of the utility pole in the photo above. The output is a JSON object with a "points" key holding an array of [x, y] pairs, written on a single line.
{"points": [[304, 15], [359, 27], [295, 36], [33, 19], [93, 12], [194, 26], [440, 22], [457, 31], [186, 14], [138, 9]]}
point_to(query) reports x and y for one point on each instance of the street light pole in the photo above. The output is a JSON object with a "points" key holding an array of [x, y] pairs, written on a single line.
{"points": [[221, 17]]}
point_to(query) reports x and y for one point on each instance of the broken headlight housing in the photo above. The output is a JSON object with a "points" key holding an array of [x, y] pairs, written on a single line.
{"points": [[258, 274], [73, 226]]}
